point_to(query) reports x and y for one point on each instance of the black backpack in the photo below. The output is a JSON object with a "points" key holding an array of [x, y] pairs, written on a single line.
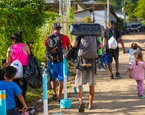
{"points": [[54, 49]]}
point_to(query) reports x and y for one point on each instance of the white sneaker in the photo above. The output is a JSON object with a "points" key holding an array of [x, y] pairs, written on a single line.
{"points": [[101, 69]]}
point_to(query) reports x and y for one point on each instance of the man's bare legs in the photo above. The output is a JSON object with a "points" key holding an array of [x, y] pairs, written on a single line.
{"points": [[117, 66], [60, 87], [91, 95], [79, 90], [53, 86], [81, 104], [110, 68]]}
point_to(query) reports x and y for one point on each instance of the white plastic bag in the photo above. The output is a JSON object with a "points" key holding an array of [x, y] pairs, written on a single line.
{"points": [[17, 64], [112, 43]]}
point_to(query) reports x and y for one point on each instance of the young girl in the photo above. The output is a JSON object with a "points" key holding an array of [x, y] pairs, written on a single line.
{"points": [[137, 68], [134, 48]]}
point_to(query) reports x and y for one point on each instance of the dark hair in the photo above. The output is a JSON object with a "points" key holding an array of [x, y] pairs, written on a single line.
{"points": [[134, 45], [112, 23], [17, 36], [138, 56], [10, 72]]}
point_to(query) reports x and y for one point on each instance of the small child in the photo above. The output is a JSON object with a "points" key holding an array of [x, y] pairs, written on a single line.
{"points": [[137, 68], [134, 48], [12, 90]]}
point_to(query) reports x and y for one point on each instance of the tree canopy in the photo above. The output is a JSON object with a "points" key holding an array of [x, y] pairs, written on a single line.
{"points": [[28, 16]]}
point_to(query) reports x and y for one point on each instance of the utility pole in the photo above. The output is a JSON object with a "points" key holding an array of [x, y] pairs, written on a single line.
{"points": [[124, 10], [108, 10], [93, 12], [64, 6]]}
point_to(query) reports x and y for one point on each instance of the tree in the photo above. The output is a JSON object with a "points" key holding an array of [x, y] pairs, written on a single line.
{"points": [[129, 10], [140, 9], [28, 16]]}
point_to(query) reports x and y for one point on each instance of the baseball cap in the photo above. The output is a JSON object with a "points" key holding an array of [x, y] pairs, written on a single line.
{"points": [[56, 25]]}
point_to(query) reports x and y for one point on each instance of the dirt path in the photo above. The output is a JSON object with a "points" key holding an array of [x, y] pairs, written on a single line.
{"points": [[112, 97]]}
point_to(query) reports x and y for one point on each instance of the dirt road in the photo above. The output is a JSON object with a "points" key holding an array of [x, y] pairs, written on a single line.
{"points": [[112, 97]]}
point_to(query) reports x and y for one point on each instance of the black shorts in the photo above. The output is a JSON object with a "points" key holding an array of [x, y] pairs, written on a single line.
{"points": [[113, 53]]}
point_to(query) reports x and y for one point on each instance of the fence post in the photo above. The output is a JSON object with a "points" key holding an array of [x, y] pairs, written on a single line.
{"points": [[45, 95], [3, 102]]}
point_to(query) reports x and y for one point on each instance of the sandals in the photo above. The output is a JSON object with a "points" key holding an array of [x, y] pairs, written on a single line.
{"points": [[81, 107]]}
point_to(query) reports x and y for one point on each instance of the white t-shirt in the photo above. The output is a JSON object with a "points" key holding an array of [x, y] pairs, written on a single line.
{"points": [[131, 52]]}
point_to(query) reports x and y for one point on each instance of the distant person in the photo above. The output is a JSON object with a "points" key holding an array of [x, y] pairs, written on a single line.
{"points": [[56, 46], [12, 90], [19, 51], [112, 53], [137, 68]]}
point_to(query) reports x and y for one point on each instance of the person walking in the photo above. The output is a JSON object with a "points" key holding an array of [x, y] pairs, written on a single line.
{"points": [[19, 51], [12, 90], [113, 53], [137, 68], [85, 73], [56, 46]]}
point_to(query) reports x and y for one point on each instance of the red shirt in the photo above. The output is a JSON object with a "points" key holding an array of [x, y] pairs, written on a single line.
{"points": [[64, 38]]}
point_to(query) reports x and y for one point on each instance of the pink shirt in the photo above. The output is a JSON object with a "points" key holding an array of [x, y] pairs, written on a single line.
{"points": [[138, 70], [19, 53]]}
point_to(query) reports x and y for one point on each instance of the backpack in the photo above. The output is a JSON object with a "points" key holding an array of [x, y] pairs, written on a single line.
{"points": [[54, 49], [88, 47], [112, 43], [17, 64]]}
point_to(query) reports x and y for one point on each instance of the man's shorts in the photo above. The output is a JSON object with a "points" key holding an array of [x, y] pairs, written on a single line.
{"points": [[84, 77], [113, 53], [56, 70], [12, 111]]}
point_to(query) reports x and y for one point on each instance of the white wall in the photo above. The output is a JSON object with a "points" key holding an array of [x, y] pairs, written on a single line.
{"points": [[112, 17], [100, 17], [80, 16]]}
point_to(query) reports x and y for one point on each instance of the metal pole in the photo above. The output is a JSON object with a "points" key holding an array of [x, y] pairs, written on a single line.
{"points": [[124, 11], [108, 12], [3, 110], [93, 12], [45, 95], [65, 77]]}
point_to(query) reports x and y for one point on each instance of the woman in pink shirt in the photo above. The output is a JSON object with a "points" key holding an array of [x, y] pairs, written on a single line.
{"points": [[137, 68], [20, 51]]}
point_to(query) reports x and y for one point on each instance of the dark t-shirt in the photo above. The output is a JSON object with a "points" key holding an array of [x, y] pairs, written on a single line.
{"points": [[108, 33]]}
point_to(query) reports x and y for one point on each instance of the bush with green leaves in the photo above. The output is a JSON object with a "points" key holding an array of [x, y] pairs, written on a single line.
{"points": [[28, 16]]}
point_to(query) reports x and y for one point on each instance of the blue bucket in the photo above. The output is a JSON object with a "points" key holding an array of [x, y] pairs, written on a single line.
{"points": [[65, 103], [75, 89]]}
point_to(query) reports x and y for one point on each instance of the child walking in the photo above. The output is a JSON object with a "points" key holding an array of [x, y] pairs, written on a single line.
{"points": [[12, 90], [137, 68], [134, 48]]}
